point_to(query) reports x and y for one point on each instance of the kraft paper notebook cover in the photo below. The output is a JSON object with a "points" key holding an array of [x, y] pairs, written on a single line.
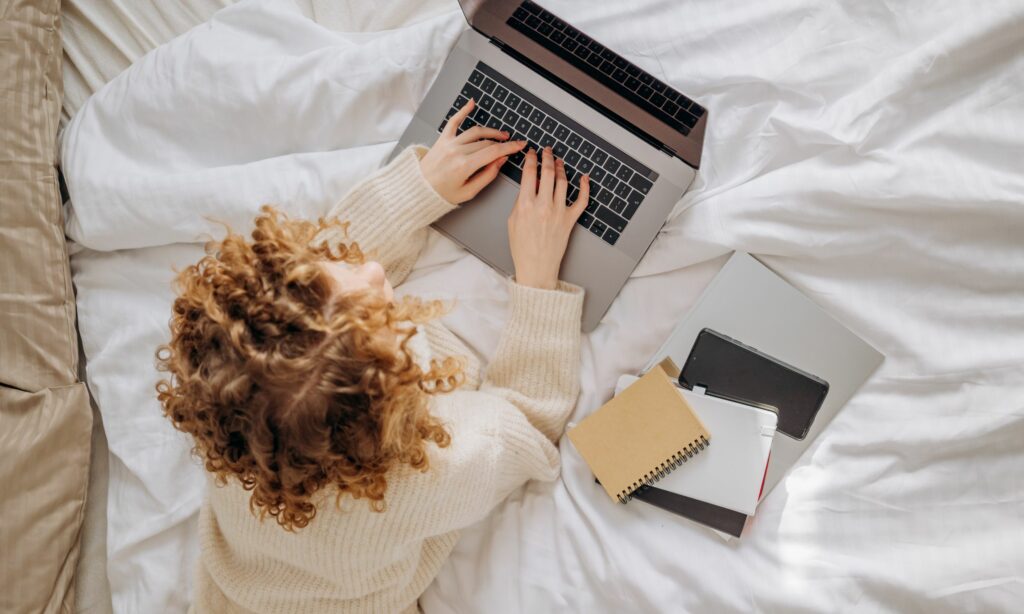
{"points": [[730, 473], [640, 435]]}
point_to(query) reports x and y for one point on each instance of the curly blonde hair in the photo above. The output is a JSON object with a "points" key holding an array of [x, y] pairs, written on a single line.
{"points": [[289, 387]]}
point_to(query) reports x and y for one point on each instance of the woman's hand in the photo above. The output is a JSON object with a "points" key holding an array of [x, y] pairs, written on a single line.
{"points": [[539, 227], [459, 166]]}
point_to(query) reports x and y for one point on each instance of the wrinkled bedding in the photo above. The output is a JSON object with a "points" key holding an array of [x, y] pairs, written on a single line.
{"points": [[868, 153]]}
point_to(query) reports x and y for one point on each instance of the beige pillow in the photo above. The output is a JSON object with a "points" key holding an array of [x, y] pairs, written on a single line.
{"points": [[45, 419]]}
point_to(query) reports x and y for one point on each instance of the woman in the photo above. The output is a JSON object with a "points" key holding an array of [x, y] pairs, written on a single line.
{"points": [[347, 436]]}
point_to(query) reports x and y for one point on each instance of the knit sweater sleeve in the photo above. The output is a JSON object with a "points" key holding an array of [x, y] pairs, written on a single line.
{"points": [[505, 434], [388, 214], [536, 365]]}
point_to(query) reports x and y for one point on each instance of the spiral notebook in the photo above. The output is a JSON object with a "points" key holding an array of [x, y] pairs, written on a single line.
{"points": [[640, 435]]}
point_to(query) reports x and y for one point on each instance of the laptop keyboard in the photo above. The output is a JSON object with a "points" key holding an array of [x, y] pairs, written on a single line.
{"points": [[618, 184], [606, 66]]}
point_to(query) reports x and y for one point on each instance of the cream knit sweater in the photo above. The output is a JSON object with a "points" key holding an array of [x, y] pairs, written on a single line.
{"points": [[503, 433]]}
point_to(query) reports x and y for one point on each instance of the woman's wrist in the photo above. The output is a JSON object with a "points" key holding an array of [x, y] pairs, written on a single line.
{"points": [[539, 281]]}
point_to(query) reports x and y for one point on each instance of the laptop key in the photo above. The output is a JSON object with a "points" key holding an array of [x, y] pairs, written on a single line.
{"points": [[523, 125], [612, 165], [642, 184], [575, 141], [488, 85], [618, 205], [604, 197], [599, 156], [486, 103], [594, 59], [471, 92], [570, 44], [597, 173], [535, 134], [687, 119], [500, 93], [494, 122], [557, 36], [476, 77], [623, 190], [561, 132], [560, 149], [610, 236], [645, 91], [598, 227], [525, 108], [585, 220], [657, 99], [585, 165], [546, 29], [633, 70], [632, 203], [573, 157], [513, 101], [512, 171], [609, 217], [610, 181], [547, 141], [587, 149], [670, 107], [511, 117], [482, 117], [624, 173], [499, 110], [620, 75], [537, 116], [549, 124]]}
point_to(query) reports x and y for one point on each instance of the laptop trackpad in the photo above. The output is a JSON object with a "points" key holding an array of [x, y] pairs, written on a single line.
{"points": [[481, 225]]}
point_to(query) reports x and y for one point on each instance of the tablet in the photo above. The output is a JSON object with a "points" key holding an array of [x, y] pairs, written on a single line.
{"points": [[731, 370]]}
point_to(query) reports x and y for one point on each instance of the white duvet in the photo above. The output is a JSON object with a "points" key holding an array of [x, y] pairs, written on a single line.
{"points": [[870, 153]]}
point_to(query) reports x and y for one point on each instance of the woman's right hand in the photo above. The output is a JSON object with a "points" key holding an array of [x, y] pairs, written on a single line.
{"points": [[540, 223]]}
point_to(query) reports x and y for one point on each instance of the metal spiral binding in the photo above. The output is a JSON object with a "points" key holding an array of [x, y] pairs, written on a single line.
{"points": [[648, 479]]}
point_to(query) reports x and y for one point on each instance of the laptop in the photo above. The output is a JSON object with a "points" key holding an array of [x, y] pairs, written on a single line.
{"points": [[539, 78]]}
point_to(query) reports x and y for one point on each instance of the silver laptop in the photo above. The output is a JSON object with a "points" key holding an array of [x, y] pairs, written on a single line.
{"points": [[542, 80]]}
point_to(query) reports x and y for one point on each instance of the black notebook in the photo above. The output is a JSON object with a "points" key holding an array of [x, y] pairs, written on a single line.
{"points": [[718, 518]]}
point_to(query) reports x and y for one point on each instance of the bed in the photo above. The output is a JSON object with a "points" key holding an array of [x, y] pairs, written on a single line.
{"points": [[868, 153]]}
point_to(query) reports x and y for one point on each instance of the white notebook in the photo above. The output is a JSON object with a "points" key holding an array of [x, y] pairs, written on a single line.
{"points": [[730, 472]]}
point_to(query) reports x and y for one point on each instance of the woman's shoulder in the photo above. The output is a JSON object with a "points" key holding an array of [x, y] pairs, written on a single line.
{"points": [[443, 343]]}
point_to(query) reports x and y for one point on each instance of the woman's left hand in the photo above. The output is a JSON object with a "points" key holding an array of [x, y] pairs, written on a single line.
{"points": [[459, 166]]}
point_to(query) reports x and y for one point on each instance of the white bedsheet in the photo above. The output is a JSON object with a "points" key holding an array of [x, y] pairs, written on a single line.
{"points": [[870, 153]]}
